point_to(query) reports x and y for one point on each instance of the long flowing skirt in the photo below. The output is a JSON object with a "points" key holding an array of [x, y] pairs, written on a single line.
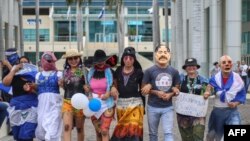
{"points": [[50, 124], [129, 126]]}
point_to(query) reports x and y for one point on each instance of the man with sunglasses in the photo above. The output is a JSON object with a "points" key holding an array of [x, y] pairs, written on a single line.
{"points": [[230, 93]]}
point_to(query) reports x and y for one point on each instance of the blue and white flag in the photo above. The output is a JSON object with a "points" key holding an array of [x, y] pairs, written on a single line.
{"points": [[28, 72], [232, 91], [6, 89], [68, 12], [150, 10], [102, 12], [51, 12]]}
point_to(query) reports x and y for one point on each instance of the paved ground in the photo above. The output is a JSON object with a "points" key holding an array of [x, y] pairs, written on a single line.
{"points": [[90, 134]]}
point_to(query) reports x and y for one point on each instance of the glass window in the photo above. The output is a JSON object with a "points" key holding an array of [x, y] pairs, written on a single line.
{"points": [[145, 31], [64, 10], [62, 31], [96, 31], [246, 42], [163, 35], [245, 10], [30, 35], [97, 10], [141, 10]]}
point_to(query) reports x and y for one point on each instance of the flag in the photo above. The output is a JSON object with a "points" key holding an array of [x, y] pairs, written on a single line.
{"points": [[150, 10], [51, 12], [6, 89], [68, 12], [101, 13]]}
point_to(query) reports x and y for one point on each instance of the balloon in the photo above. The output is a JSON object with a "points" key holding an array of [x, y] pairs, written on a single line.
{"points": [[95, 104], [87, 112], [79, 101]]}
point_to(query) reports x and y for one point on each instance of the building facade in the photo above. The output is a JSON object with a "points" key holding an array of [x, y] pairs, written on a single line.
{"points": [[246, 30], [9, 23], [58, 32], [209, 29]]}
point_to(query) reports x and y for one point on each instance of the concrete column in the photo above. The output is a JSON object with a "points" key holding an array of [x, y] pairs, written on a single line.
{"points": [[179, 35], [10, 26], [215, 29], [86, 48], [233, 28], [173, 33], [197, 48], [185, 30]]}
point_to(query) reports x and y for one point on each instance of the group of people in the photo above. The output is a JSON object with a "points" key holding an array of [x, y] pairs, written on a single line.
{"points": [[38, 110]]}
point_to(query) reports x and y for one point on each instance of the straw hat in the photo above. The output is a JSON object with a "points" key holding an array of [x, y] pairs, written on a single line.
{"points": [[71, 53]]}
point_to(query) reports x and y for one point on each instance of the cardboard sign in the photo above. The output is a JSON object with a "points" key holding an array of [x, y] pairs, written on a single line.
{"points": [[191, 105]]}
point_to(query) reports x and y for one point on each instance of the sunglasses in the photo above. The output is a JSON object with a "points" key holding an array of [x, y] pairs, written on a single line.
{"points": [[73, 58]]}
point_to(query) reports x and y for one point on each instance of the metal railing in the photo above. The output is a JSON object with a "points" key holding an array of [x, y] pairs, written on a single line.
{"points": [[65, 38]]}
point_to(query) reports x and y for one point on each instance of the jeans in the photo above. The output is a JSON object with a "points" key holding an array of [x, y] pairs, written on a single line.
{"points": [[220, 117], [166, 115], [3, 112]]}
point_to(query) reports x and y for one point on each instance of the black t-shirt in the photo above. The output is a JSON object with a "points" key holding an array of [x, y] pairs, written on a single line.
{"points": [[131, 89], [17, 86]]}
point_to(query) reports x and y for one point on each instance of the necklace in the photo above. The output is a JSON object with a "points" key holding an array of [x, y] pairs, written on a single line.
{"points": [[191, 84]]}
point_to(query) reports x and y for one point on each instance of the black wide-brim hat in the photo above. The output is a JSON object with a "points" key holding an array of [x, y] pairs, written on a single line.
{"points": [[100, 56], [191, 62]]}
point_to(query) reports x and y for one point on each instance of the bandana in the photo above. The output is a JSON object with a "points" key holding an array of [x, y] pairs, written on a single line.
{"points": [[48, 60]]}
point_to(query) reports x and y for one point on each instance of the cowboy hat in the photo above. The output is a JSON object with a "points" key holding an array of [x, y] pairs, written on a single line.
{"points": [[71, 53]]}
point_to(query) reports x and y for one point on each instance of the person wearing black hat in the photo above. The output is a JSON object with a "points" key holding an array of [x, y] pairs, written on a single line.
{"points": [[128, 78], [160, 82], [192, 83], [100, 80]]}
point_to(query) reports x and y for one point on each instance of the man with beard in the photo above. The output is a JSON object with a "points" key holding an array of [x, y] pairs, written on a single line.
{"points": [[230, 92], [161, 82]]}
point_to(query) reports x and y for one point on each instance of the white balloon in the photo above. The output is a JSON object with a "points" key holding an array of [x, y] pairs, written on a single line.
{"points": [[79, 101], [87, 112]]}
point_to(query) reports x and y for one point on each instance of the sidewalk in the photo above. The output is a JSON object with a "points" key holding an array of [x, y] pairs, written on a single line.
{"points": [[90, 133]]}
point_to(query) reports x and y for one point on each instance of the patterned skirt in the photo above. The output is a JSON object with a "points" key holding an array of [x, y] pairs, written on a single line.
{"points": [[129, 126]]}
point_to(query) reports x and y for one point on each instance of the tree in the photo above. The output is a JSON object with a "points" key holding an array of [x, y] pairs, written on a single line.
{"points": [[120, 22], [79, 23]]}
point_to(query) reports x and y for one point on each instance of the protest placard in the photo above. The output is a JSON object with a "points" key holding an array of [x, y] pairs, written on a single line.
{"points": [[191, 105]]}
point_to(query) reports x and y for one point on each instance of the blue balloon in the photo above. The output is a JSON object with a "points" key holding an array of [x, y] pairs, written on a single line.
{"points": [[95, 105]]}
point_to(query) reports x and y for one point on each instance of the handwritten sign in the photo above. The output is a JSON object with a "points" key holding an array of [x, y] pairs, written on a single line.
{"points": [[191, 105]]}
